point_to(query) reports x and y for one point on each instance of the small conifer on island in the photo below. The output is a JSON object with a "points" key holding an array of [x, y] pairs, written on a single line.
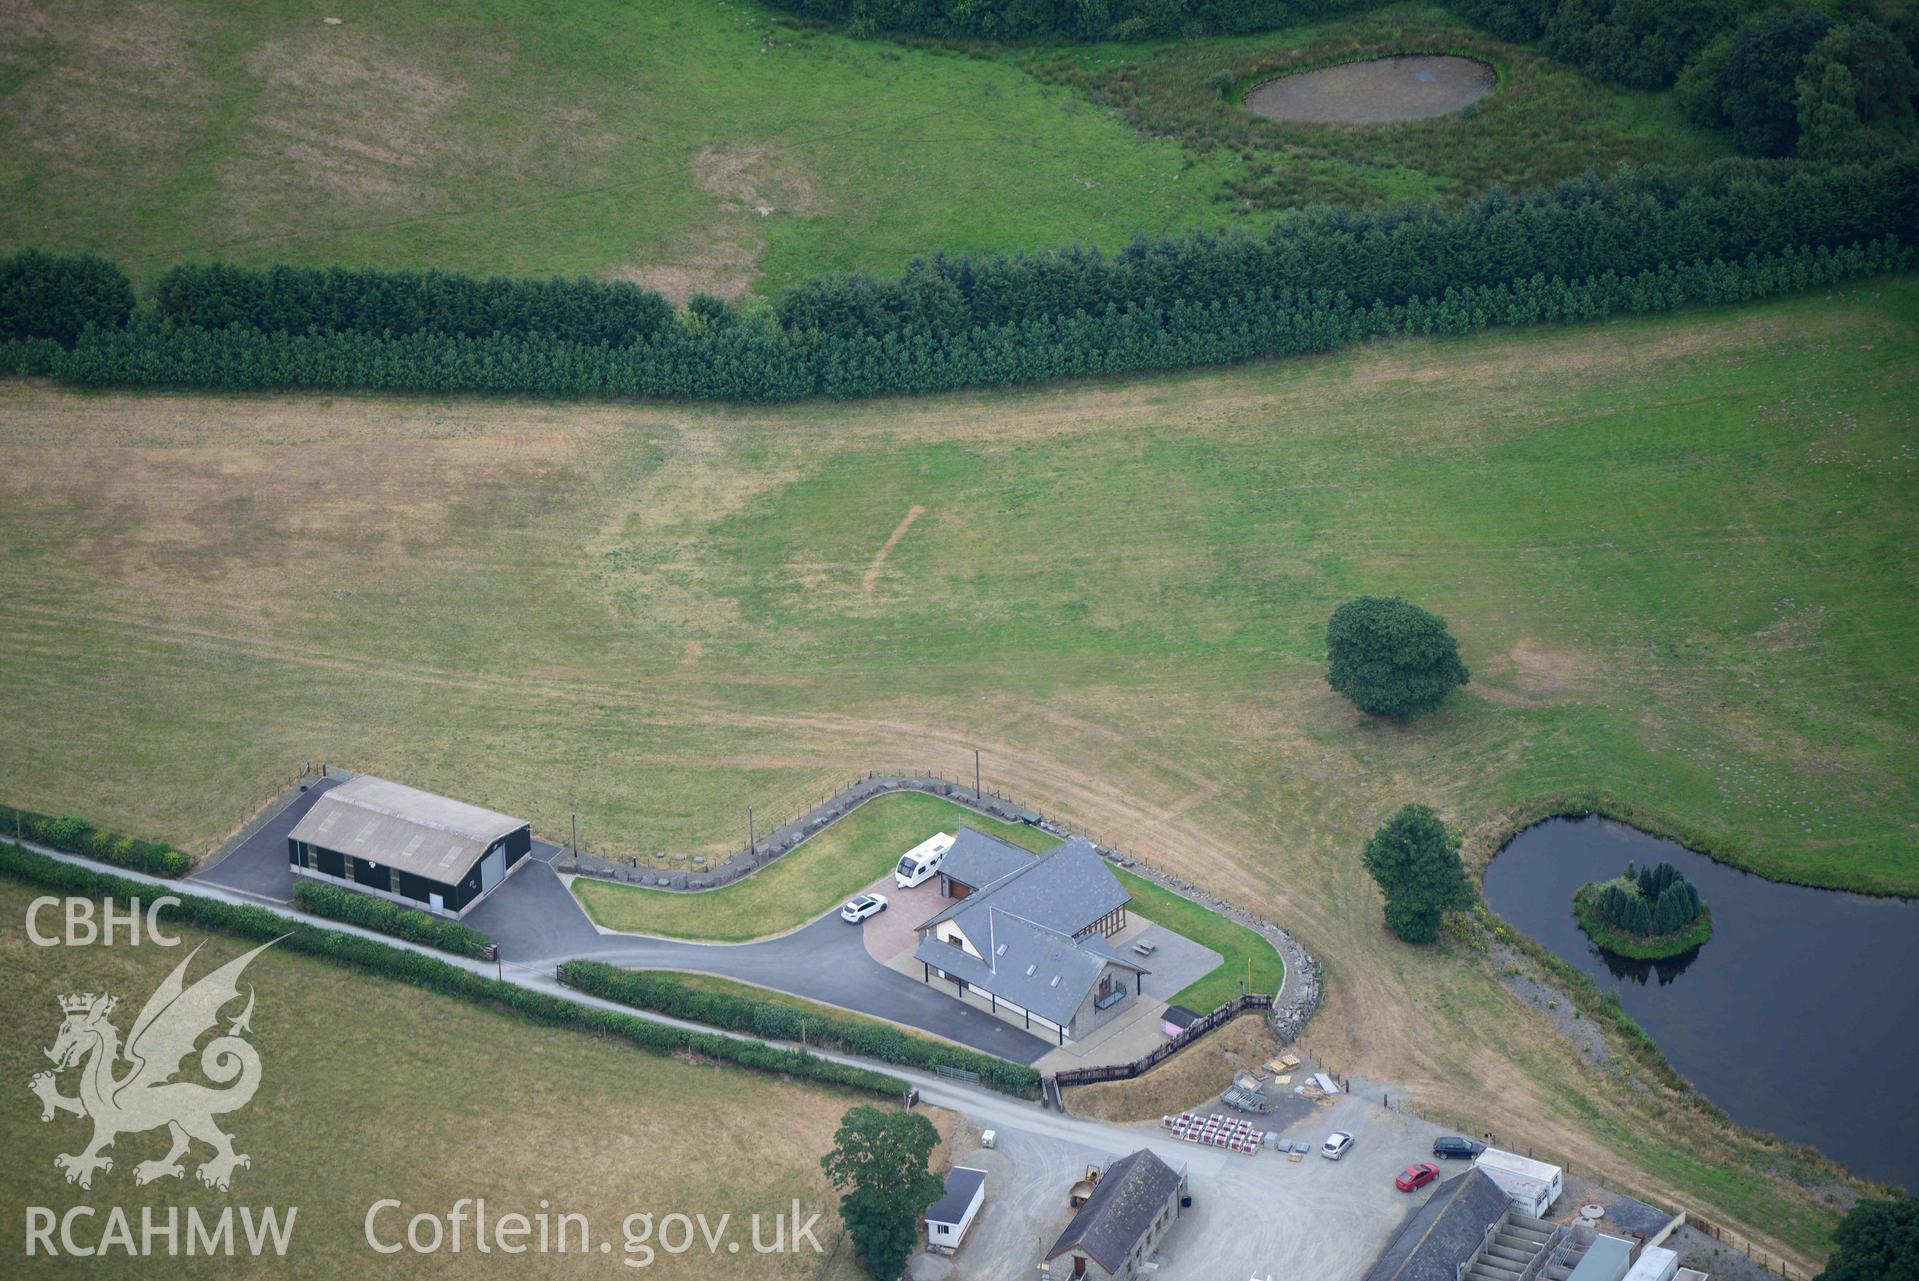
{"points": [[1649, 913]]}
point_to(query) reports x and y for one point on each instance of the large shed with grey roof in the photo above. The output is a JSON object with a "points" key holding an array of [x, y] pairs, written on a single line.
{"points": [[427, 851], [1135, 1202], [1031, 939], [1445, 1232]]}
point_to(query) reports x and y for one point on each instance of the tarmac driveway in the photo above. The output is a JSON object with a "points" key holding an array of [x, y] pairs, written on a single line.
{"points": [[257, 866], [537, 922]]}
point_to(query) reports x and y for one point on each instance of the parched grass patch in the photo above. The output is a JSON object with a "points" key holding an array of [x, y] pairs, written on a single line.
{"points": [[843, 858], [1248, 964], [1187, 1080]]}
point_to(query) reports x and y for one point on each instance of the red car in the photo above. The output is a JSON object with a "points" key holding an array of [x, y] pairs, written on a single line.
{"points": [[1416, 1176]]}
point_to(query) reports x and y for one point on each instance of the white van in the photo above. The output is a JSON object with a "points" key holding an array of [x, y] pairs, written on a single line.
{"points": [[923, 860]]}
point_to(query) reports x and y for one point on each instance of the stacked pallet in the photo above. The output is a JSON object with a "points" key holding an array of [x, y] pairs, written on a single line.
{"points": [[1215, 1129]]}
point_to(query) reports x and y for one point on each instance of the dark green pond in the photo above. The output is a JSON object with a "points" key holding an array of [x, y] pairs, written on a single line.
{"points": [[1800, 1016]]}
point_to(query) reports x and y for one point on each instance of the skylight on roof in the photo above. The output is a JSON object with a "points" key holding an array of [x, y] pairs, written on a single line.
{"points": [[1000, 950], [1030, 969], [1055, 982]]}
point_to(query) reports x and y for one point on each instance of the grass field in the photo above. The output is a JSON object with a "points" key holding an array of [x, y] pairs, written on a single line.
{"points": [[585, 1124], [686, 144], [843, 858], [1678, 554]]}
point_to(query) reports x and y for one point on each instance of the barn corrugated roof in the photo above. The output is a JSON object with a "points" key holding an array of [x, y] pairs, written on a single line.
{"points": [[403, 827]]}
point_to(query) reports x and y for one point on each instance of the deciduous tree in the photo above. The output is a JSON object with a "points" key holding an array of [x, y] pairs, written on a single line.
{"points": [[1416, 862], [1876, 1241], [880, 1158], [1392, 658]]}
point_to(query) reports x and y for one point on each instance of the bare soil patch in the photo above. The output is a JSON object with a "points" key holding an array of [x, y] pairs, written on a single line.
{"points": [[749, 183], [1382, 90], [872, 576]]}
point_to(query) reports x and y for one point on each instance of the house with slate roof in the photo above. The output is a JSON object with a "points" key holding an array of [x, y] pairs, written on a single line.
{"points": [[1132, 1206], [1443, 1233], [1029, 934]]}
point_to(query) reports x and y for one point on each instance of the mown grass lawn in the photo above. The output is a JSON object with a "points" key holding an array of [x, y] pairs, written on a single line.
{"points": [[842, 859], [374, 1089]]}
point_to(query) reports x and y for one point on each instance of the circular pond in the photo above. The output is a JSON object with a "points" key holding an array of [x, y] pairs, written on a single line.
{"points": [[1414, 87], [1799, 1016]]}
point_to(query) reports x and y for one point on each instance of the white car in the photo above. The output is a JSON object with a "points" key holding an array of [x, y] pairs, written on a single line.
{"points": [[1336, 1145], [862, 907]]}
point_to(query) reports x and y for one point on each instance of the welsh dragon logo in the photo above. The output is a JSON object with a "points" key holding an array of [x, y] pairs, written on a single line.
{"points": [[145, 1095]]}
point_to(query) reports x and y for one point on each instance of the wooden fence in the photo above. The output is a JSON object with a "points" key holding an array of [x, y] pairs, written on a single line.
{"points": [[1127, 1071]]}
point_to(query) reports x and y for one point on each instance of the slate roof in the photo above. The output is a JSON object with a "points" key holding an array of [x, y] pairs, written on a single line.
{"points": [[399, 826], [1066, 890], [961, 1182], [1129, 1196], [1444, 1232], [977, 860], [1035, 968]]}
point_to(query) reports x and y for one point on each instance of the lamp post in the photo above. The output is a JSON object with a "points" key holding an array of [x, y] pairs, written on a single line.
{"points": [[576, 843], [752, 839], [976, 793]]}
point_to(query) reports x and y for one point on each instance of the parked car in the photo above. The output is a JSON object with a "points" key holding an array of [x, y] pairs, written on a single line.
{"points": [[1450, 1147], [1336, 1145], [857, 910], [1418, 1176]]}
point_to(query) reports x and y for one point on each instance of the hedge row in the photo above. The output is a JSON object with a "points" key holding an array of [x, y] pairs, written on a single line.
{"points": [[77, 836], [388, 917], [762, 365], [393, 303], [770, 1018], [440, 976], [1069, 19], [1639, 241]]}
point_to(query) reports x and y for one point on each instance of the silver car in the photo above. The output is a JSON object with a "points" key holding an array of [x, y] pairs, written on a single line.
{"points": [[1336, 1145]]}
